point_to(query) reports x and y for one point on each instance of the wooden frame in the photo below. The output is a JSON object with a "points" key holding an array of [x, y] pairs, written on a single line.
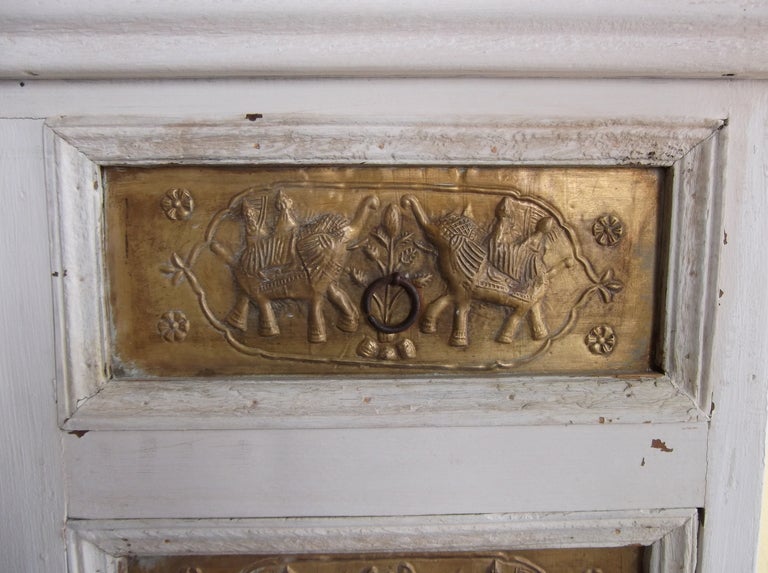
{"points": [[672, 535], [89, 400]]}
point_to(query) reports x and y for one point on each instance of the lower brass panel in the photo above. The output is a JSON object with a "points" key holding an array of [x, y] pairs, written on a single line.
{"points": [[609, 560], [242, 271]]}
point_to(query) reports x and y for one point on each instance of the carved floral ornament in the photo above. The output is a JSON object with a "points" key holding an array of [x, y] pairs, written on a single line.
{"points": [[517, 262]]}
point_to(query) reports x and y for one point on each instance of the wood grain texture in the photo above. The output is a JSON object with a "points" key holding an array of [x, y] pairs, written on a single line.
{"points": [[406, 471], [343, 38], [31, 489]]}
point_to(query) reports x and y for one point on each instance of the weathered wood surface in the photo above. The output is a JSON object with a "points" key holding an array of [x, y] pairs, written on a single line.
{"points": [[338, 403], [381, 534], [345, 139]]}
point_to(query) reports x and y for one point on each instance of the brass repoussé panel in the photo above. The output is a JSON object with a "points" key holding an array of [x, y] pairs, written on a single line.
{"points": [[604, 560], [222, 271]]}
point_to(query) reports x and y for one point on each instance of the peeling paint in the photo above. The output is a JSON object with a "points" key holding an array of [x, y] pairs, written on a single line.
{"points": [[660, 445]]}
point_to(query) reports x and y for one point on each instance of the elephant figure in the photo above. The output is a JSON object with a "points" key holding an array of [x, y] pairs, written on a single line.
{"points": [[296, 261], [499, 267]]}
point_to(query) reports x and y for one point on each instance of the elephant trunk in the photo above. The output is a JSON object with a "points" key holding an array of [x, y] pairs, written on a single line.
{"points": [[410, 201], [366, 207], [418, 211]]}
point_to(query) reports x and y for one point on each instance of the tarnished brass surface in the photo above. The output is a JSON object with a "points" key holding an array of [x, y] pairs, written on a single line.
{"points": [[608, 560], [244, 271]]}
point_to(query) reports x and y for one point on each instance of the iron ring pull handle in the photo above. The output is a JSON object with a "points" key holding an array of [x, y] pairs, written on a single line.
{"points": [[395, 279]]}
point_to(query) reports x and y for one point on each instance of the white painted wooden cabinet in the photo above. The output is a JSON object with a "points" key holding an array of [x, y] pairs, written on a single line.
{"points": [[94, 469]]}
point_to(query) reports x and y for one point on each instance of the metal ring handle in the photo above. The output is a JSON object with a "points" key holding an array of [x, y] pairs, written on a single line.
{"points": [[395, 279]]}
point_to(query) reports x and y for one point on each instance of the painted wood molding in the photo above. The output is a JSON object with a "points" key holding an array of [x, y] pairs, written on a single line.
{"points": [[670, 533], [178, 39], [79, 146]]}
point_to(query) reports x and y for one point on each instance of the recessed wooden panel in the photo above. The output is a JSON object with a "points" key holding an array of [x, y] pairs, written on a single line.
{"points": [[606, 560], [243, 271]]}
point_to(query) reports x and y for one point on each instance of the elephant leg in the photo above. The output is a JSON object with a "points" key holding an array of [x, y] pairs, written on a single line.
{"points": [[350, 317], [316, 321], [267, 321], [539, 329], [507, 334], [460, 320], [433, 312], [238, 316]]}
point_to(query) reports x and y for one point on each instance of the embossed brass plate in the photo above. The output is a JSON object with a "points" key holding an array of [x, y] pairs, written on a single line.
{"points": [[608, 560], [218, 271]]}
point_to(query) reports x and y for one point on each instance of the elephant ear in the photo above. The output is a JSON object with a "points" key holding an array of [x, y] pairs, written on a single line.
{"points": [[318, 243], [462, 235], [316, 252], [466, 255]]}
